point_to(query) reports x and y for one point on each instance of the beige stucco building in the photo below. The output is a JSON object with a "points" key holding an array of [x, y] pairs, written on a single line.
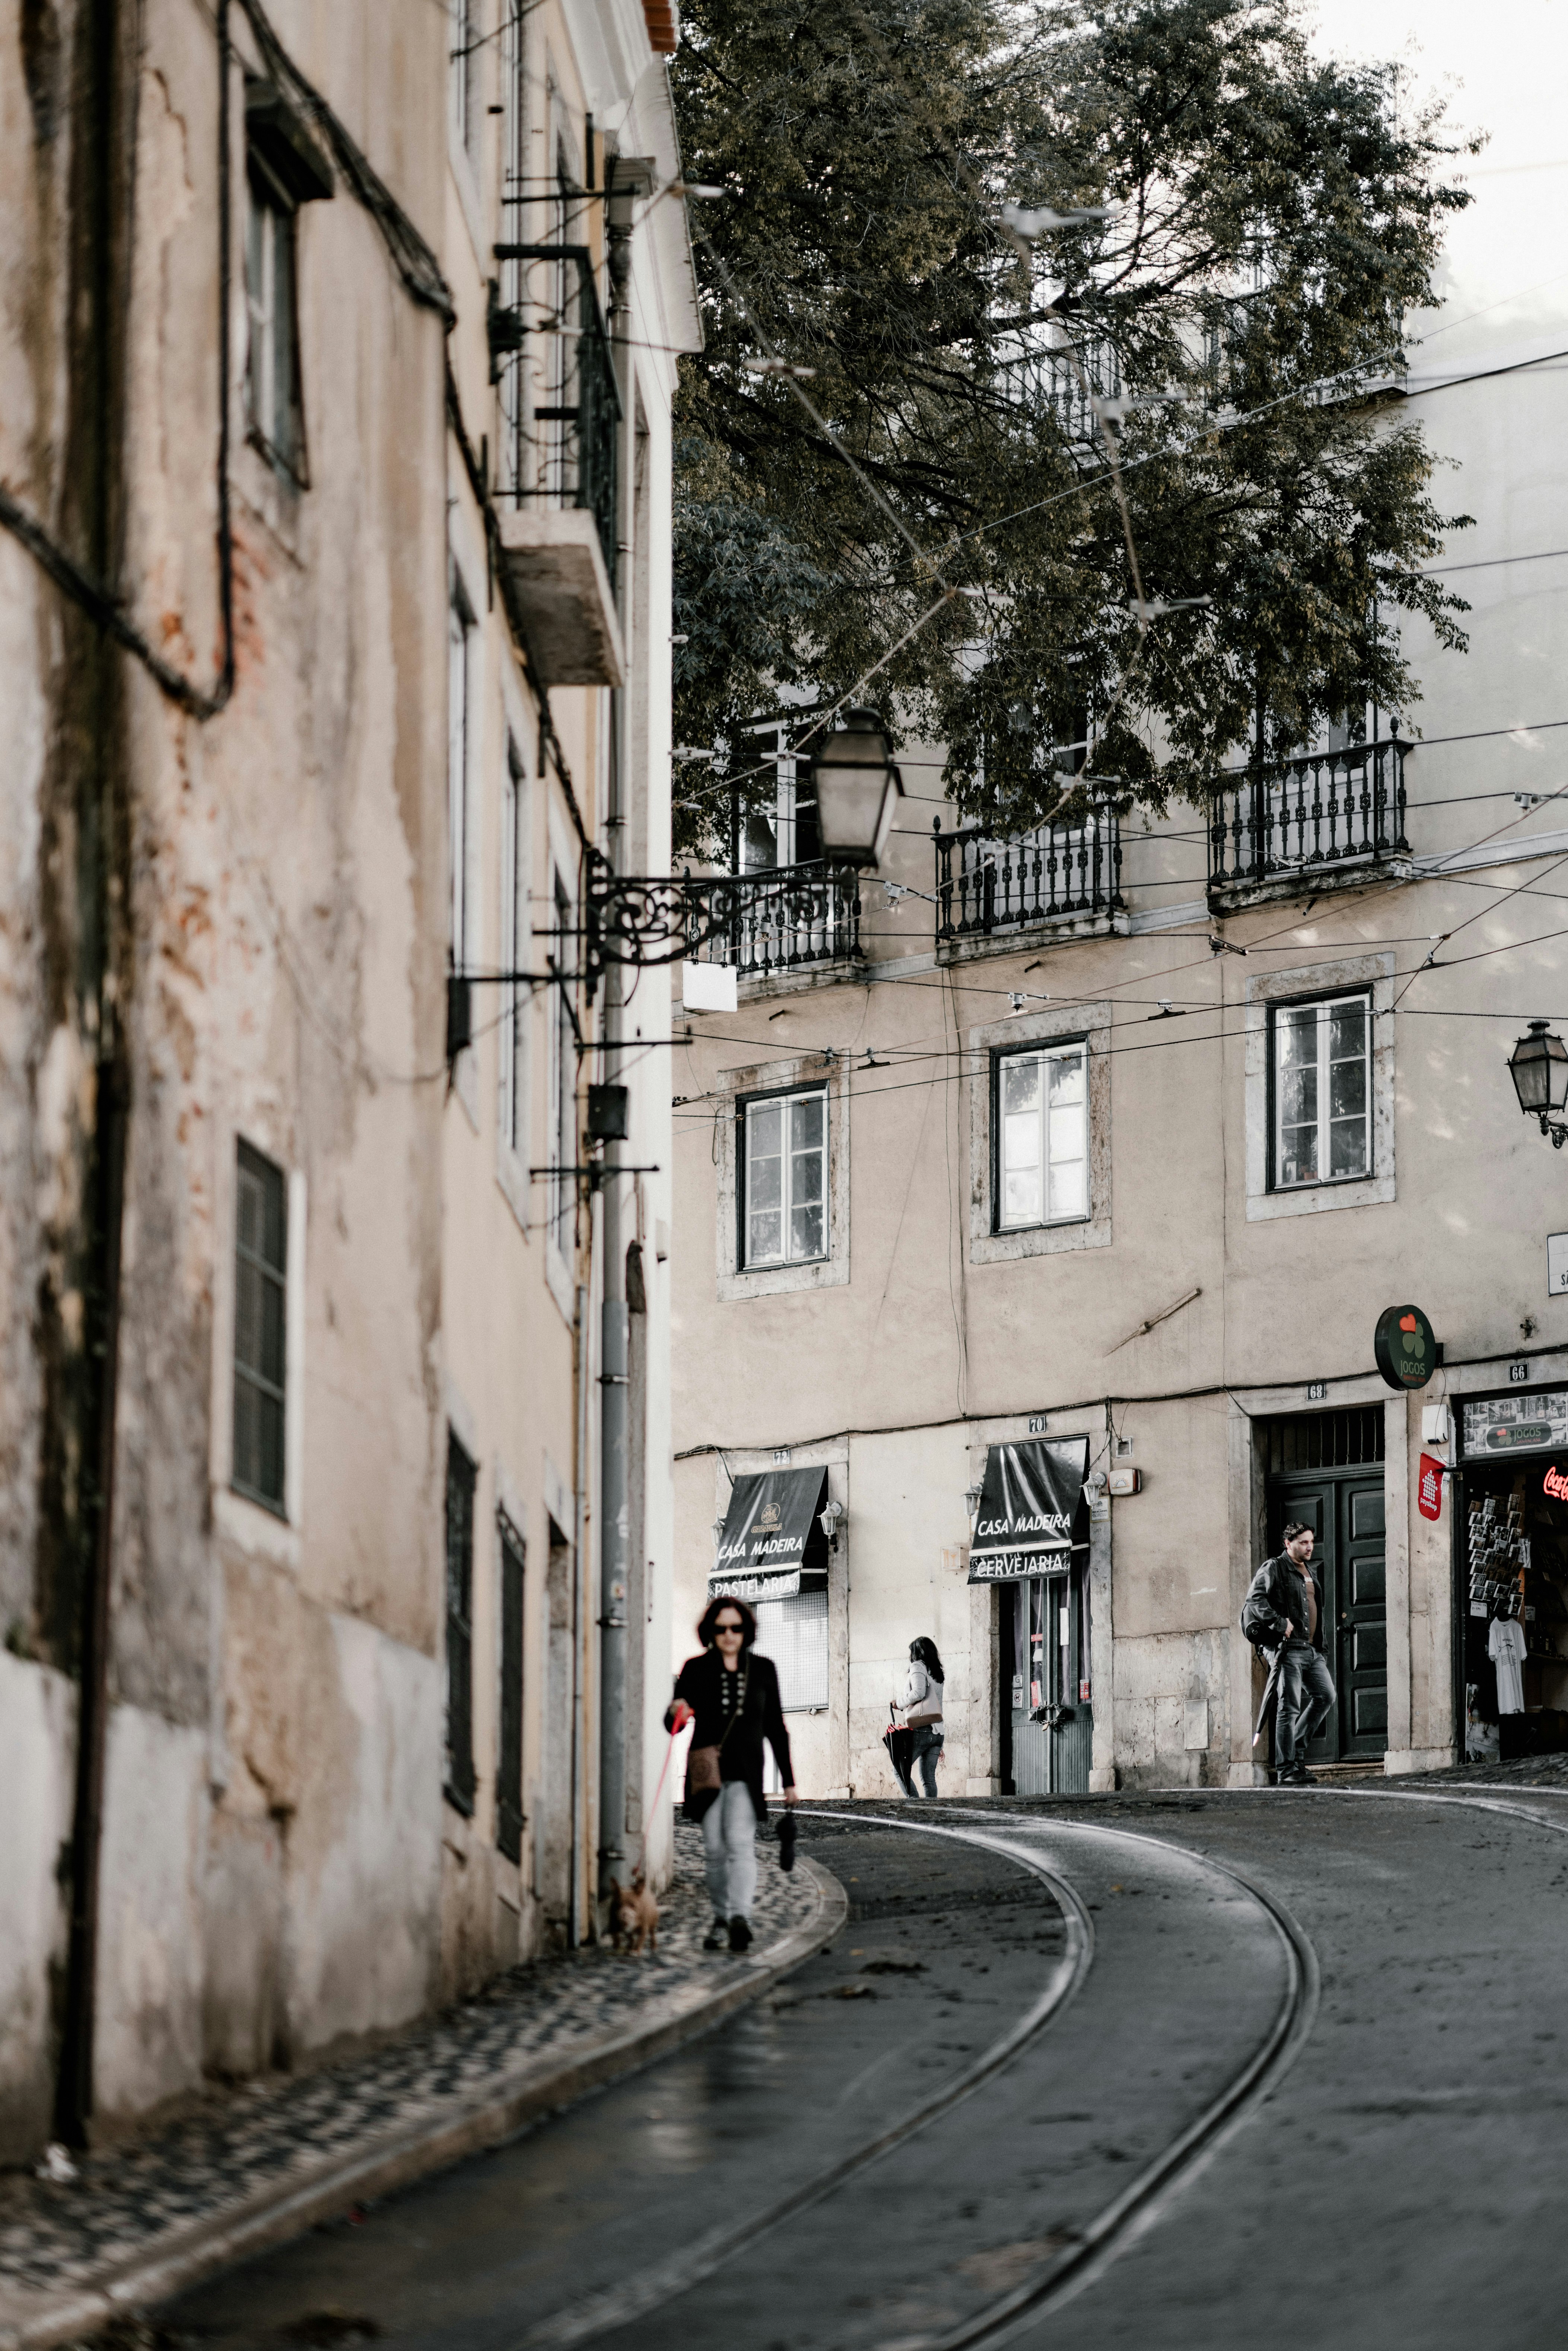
{"points": [[333, 652], [1119, 1141]]}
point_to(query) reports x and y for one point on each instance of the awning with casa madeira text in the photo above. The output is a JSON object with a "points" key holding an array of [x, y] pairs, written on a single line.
{"points": [[772, 1546], [1028, 1505]]}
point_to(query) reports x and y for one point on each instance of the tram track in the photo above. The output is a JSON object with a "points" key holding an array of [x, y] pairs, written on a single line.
{"points": [[1118, 2225], [619, 2305]]}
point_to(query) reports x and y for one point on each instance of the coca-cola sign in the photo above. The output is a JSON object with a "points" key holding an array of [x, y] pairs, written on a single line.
{"points": [[1556, 1485]]}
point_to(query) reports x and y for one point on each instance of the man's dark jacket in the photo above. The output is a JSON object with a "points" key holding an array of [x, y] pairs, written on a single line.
{"points": [[1278, 1591]]}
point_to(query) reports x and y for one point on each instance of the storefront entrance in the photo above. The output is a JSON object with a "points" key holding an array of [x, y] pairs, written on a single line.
{"points": [[1510, 1506], [1048, 1729], [1326, 1470]]}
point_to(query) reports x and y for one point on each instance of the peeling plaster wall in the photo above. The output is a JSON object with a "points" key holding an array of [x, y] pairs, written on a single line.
{"points": [[270, 1869], [37, 1741]]}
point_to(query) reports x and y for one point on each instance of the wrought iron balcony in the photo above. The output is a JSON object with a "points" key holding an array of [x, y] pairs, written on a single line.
{"points": [[1068, 875], [1328, 815], [558, 488], [786, 921]]}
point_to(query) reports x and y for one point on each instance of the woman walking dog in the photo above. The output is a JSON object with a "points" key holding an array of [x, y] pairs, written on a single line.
{"points": [[922, 1710], [732, 1695]]}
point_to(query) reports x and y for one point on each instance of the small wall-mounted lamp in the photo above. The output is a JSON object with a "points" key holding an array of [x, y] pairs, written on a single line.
{"points": [[972, 1499], [829, 1522], [1539, 1068]]}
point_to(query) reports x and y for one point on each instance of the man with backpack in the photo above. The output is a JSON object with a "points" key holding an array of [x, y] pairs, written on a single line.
{"points": [[1283, 1613]]}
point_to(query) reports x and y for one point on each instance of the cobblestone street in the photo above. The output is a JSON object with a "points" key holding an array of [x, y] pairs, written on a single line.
{"points": [[237, 2144]]}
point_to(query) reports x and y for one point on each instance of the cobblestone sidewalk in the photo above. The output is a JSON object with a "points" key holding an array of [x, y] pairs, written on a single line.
{"points": [[537, 2018]]}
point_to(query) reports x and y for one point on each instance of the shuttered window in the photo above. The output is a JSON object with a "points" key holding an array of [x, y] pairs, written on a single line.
{"points": [[261, 1274], [461, 1477], [794, 1634], [509, 1761]]}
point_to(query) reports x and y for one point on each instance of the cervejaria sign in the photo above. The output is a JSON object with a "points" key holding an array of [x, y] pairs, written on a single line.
{"points": [[1405, 1348]]}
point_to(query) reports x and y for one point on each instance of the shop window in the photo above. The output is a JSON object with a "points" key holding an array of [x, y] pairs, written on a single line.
{"points": [[462, 1479], [794, 1634], [1320, 1070], [510, 1759], [1040, 1120], [261, 1273], [784, 1180]]}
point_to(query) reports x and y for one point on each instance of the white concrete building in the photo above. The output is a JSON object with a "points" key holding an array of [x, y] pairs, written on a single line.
{"points": [[1118, 1140]]}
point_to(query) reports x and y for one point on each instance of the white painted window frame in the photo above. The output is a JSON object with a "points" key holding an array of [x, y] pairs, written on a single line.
{"points": [[786, 1105], [991, 1243], [1043, 1056], [1322, 1007], [736, 1282], [1369, 974]]}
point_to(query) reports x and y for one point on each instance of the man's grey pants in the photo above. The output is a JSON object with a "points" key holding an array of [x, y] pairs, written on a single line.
{"points": [[1302, 1704], [729, 1851]]}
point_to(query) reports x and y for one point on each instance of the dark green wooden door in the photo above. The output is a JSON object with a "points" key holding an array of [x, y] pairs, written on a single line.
{"points": [[1344, 1511], [1360, 1620]]}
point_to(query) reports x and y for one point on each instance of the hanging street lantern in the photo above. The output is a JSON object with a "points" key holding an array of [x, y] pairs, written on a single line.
{"points": [[1539, 1068], [857, 788]]}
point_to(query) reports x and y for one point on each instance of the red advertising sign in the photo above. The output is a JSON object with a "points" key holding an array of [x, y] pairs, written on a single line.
{"points": [[1556, 1485], [1429, 1487]]}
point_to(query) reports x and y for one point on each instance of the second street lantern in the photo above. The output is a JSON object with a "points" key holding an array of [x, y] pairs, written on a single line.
{"points": [[857, 788]]}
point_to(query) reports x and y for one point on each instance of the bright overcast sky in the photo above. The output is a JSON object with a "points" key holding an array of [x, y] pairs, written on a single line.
{"points": [[1503, 65]]}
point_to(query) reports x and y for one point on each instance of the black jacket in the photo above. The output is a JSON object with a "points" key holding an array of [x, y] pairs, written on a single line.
{"points": [[1278, 1591], [699, 1684]]}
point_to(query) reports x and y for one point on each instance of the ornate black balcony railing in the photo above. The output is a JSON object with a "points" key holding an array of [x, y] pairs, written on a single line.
{"points": [[566, 443], [1324, 813], [1056, 874], [802, 914]]}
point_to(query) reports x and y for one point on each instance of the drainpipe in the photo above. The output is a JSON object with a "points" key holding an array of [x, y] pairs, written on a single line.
{"points": [[614, 1365]]}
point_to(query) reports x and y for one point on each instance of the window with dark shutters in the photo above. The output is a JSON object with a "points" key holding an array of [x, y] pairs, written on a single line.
{"points": [[461, 1477], [509, 1761], [261, 1273]]}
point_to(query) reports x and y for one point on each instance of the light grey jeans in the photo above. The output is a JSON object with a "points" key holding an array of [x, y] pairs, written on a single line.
{"points": [[729, 1851]]}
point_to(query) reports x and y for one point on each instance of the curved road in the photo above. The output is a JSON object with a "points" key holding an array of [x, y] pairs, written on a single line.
{"points": [[1158, 2071]]}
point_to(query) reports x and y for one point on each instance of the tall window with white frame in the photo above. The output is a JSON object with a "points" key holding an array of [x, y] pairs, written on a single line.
{"points": [[274, 408], [1320, 1081], [462, 1480], [1039, 1122], [260, 1352], [463, 73], [562, 1076], [514, 947], [459, 712], [783, 1157]]}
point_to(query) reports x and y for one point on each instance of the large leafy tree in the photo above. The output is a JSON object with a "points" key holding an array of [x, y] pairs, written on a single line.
{"points": [[1009, 432]]}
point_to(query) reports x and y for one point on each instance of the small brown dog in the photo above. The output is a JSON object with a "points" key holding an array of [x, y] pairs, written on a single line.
{"points": [[633, 1917]]}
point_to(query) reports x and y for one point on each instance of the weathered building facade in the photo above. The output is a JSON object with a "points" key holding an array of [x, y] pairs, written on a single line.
{"points": [[311, 733], [1115, 1140]]}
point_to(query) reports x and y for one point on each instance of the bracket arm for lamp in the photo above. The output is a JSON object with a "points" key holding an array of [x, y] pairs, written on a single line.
{"points": [[647, 920]]}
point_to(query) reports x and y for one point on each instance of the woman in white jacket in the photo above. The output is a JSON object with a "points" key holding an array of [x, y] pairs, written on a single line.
{"points": [[922, 1710]]}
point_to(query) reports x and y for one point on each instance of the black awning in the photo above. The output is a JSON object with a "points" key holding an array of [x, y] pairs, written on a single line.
{"points": [[771, 1541], [1028, 1504]]}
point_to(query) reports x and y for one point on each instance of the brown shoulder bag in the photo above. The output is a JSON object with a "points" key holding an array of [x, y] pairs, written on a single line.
{"points": [[705, 1775]]}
